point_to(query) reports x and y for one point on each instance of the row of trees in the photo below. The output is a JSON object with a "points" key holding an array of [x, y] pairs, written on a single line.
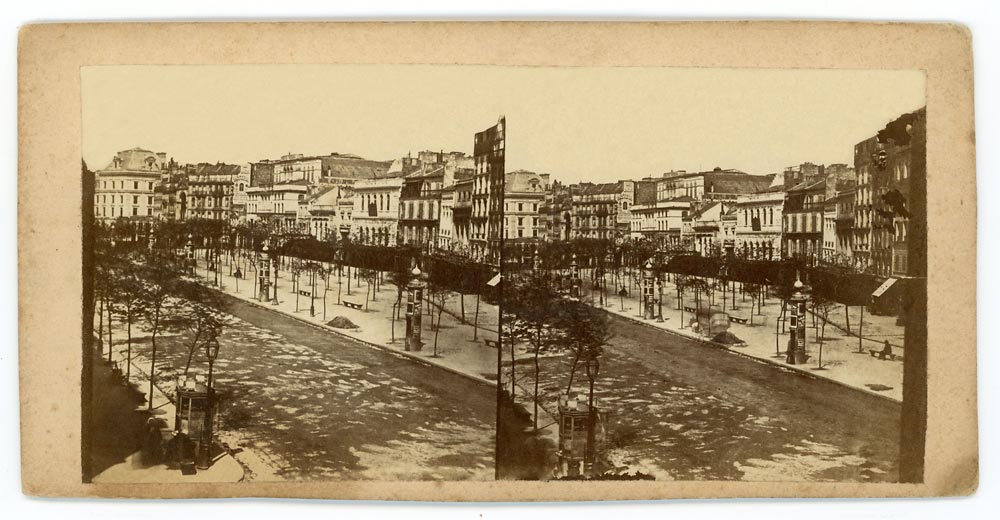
{"points": [[135, 284]]}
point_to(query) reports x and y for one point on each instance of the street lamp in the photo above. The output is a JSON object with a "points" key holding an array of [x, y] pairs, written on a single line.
{"points": [[211, 352], [593, 369], [659, 301], [574, 288]]}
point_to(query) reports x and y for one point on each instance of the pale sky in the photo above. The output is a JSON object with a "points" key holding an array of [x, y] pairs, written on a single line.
{"points": [[597, 124]]}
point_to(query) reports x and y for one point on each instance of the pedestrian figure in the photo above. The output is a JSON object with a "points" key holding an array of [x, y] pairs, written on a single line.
{"points": [[886, 351], [238, 273]]}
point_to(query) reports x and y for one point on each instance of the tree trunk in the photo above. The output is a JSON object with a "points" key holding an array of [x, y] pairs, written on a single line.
{"points": [[475, 323], [572, 371], [538, 345], [861, 329]]}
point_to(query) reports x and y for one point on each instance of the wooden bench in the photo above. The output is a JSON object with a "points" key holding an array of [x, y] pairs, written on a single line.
{"points": [[352, 305], [741, 321], [690, 309], [304, 292], [492, 343], [878, 353]]}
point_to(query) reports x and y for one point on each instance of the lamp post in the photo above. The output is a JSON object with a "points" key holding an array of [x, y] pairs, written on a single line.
{"points": [[647, 290], [796, 354], [574, 269], [211, 352], [189, 249], [593, 369], [414, 299], [659, 300]]}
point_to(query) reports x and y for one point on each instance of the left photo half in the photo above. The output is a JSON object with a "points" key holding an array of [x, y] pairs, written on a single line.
{"points": [[291, 273]]}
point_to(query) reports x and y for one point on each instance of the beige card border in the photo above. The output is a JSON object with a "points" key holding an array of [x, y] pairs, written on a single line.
{"points": [[49, 243]]}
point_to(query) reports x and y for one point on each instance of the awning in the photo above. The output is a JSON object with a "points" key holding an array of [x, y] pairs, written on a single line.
{"points": [[884, 287], [495, 281]]}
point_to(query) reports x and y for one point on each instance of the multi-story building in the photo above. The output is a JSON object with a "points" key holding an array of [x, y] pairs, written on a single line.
{"points": [[317, 212], [657, 220], [420, 207], [278, 186], [844, 226], [374, 217], [556, 213], [524, 193], [717, 184], [461, 215], [705, 231], [487, 195], [884, 165], [126, 186], [210, 191], [759, 223], [602, 210], [171, 193], [802, 219], [240, 185]]}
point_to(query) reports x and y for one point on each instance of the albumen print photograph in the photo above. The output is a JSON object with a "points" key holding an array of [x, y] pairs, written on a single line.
{"points": [[456, 272]]}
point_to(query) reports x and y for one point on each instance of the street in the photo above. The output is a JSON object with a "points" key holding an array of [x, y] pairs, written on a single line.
{"points": [[686, 411], [315, 405]]}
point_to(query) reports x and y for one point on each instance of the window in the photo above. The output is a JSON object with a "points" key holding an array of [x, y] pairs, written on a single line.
{"points": [[135, 211], [149, 199], [149, 211], [135, 185]]}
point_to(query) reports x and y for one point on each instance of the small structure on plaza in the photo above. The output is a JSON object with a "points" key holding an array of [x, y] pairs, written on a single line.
{"points": [[648, 297], [414, 300], [796, 353], [191, 420], [574, 421]]}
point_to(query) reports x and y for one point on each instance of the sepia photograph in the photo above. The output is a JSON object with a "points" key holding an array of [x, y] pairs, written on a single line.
{"points": [[497, 261], [292, 273], [716, 274]]}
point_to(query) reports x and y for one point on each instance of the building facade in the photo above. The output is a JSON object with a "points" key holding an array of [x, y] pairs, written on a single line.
{"points": [[488, 192], [126, 187]]}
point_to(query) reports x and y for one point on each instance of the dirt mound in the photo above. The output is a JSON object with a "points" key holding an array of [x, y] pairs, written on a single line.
{"points": [[727, 338], [341, 322]]}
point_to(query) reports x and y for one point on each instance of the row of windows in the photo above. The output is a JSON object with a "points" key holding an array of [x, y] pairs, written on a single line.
{"points": [[121, 185], [103, 199], [521, 206], [103, 211]]}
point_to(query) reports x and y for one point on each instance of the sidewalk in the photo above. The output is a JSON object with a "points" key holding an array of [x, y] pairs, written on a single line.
{"points": [[460, 348], [120, 416], [841, 361]]}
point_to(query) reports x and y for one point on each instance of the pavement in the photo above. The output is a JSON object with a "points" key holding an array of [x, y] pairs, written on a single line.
{"points": [[120, 411], [683, 411], [461, 344], [841, 361]]}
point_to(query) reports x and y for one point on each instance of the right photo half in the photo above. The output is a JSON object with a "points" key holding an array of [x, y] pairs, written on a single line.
{"points": [[713, 274]]}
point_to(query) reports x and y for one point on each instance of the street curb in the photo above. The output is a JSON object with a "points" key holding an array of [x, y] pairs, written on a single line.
{"points": [[370, 344], [781, 366]]}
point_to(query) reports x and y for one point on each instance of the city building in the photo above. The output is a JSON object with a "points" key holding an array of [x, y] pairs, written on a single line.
{"points": [[240, 185], [126, 187], [759, 223], [602, 210], [171, 193], [374, 215], [657, 220], [884, 164], [210, 191], [524, 193], [802, 219], [717, 184], [461, 215], [487, 193]]}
